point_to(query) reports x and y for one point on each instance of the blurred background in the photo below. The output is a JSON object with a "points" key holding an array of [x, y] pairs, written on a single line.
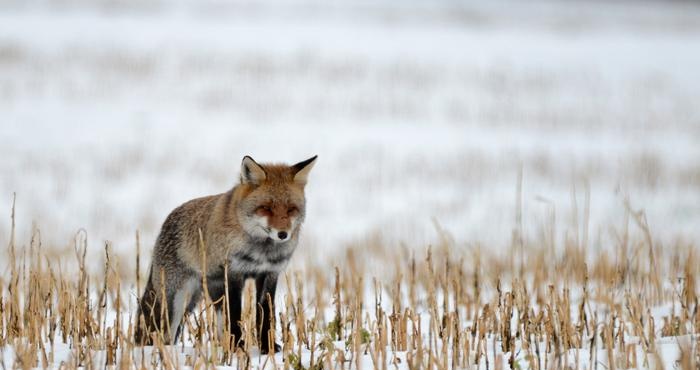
{"points": [[458, 114]]}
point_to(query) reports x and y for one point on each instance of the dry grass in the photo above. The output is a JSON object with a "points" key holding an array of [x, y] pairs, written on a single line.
{"points": [[539, 306]]}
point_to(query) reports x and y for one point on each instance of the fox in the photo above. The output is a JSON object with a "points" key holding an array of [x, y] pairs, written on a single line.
{"points": [[247, 232]]}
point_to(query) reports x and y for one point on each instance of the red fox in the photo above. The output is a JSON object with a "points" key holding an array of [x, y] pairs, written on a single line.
{"points": [[252, 229]]}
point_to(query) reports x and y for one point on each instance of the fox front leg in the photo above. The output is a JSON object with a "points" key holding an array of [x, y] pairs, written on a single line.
{"points": [[217, 292], [265, 286]]}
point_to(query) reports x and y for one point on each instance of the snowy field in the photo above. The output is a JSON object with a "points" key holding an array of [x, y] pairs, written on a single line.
{"points": [[113, 114], [422, 113]]}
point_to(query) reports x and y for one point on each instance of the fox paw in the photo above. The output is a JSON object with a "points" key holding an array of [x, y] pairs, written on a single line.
{"points": [[265, 348]]}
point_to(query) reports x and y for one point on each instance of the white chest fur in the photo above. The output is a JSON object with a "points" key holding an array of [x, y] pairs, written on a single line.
{"points": [[262, 257]]}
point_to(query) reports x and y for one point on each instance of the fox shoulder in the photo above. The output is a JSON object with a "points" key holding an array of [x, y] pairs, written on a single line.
{"points": [[184, 222]]}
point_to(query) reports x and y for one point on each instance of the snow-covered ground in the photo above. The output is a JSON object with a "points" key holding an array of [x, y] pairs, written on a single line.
{"points": [[114, 112]]}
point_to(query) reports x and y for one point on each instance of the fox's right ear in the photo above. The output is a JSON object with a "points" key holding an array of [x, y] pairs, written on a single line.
{"points": [[301, 170], [251, 172]]}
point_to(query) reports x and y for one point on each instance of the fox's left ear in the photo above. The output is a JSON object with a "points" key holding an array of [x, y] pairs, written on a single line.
{"points": [[301, 170], [251, 172]]}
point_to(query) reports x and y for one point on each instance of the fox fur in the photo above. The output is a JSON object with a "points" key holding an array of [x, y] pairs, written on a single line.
{"points": [[252, 230]]}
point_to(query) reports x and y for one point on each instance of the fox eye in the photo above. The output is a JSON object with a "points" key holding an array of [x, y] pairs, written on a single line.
{"points": [[292, 209], [266, 209]]}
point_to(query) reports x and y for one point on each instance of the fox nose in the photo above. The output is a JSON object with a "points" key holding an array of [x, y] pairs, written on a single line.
{"points": [[282, 235]]}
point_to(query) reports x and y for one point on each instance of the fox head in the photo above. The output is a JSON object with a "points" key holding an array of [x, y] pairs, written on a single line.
{"points": [[272, 203]]}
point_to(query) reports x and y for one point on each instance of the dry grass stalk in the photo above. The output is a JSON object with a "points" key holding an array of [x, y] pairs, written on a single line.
{"points": [[455, 308]]}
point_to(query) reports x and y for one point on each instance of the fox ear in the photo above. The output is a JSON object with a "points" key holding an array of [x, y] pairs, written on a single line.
{"points": [[301, 170], [251, 172]]}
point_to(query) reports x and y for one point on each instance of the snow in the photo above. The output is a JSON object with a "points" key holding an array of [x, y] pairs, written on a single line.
{"points": [[114, 113], [111, 119]]}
